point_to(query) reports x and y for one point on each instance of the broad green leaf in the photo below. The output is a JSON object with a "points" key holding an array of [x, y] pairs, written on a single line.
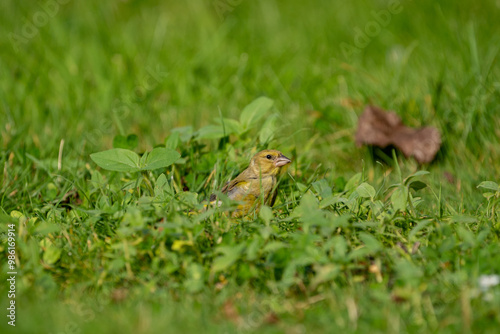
{"points": [[302, 187], [230, 126], [162, 187], [289, 275], [419, 173], [225, 261], [340, 246], [160, 157], [130, 142], [420, 226], [51, 255], [340, 221], [116, 264], [142, 160], [365, 190], [97, 179], [253, 249], [185, 133], [187, 197], [117, 159], [489, 185], [133, 217], [51, 252], [417, 185], [488, 195], [274, 246], [211, 132], [16, 214], [267, 131], [323, 188], [308, 203], [266, 213], [255, 111], [353, 182], [414, 175], [173, 141], [305, 259], [161, 181], [45, 227], [330, 200], [481, 236], [6, 220], [307, 208], [358, 253], [466, 235], [370, 241], [399, 198]]}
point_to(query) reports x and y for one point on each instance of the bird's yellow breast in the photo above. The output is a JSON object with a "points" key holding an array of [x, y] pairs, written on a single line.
{"points": [[252, 192]]}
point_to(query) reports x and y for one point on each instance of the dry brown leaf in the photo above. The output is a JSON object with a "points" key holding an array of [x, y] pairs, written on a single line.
{"points": [[381, 128]]}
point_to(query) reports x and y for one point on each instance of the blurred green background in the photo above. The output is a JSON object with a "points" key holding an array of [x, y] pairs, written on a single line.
{"points": [[95, 69], [85, 71]]}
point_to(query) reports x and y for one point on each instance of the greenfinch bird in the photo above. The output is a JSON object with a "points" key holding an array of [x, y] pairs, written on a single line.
{"points": [[257, 183]]}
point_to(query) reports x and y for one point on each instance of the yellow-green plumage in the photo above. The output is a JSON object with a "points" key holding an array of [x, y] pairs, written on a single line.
{"points": [[257, 183]]}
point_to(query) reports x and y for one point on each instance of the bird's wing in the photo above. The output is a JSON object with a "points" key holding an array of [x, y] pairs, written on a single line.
{"points": [[238, 189], [241, 181], [224, 189], [235, 189]]}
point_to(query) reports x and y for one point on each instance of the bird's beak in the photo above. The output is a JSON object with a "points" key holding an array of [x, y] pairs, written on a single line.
{"points": [[281, 161]]}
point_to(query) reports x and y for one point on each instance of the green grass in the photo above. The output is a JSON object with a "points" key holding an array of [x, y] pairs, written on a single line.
{"points": [[101, 251]]}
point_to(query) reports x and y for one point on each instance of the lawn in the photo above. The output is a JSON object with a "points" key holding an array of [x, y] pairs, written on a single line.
{"points": [[360, 240]]}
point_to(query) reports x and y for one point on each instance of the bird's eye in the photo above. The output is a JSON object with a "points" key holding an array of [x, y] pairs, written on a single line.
{"points": [[269, 156]]}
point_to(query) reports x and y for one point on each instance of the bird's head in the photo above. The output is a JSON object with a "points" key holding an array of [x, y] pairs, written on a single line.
{"points": [[268, 162]]}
